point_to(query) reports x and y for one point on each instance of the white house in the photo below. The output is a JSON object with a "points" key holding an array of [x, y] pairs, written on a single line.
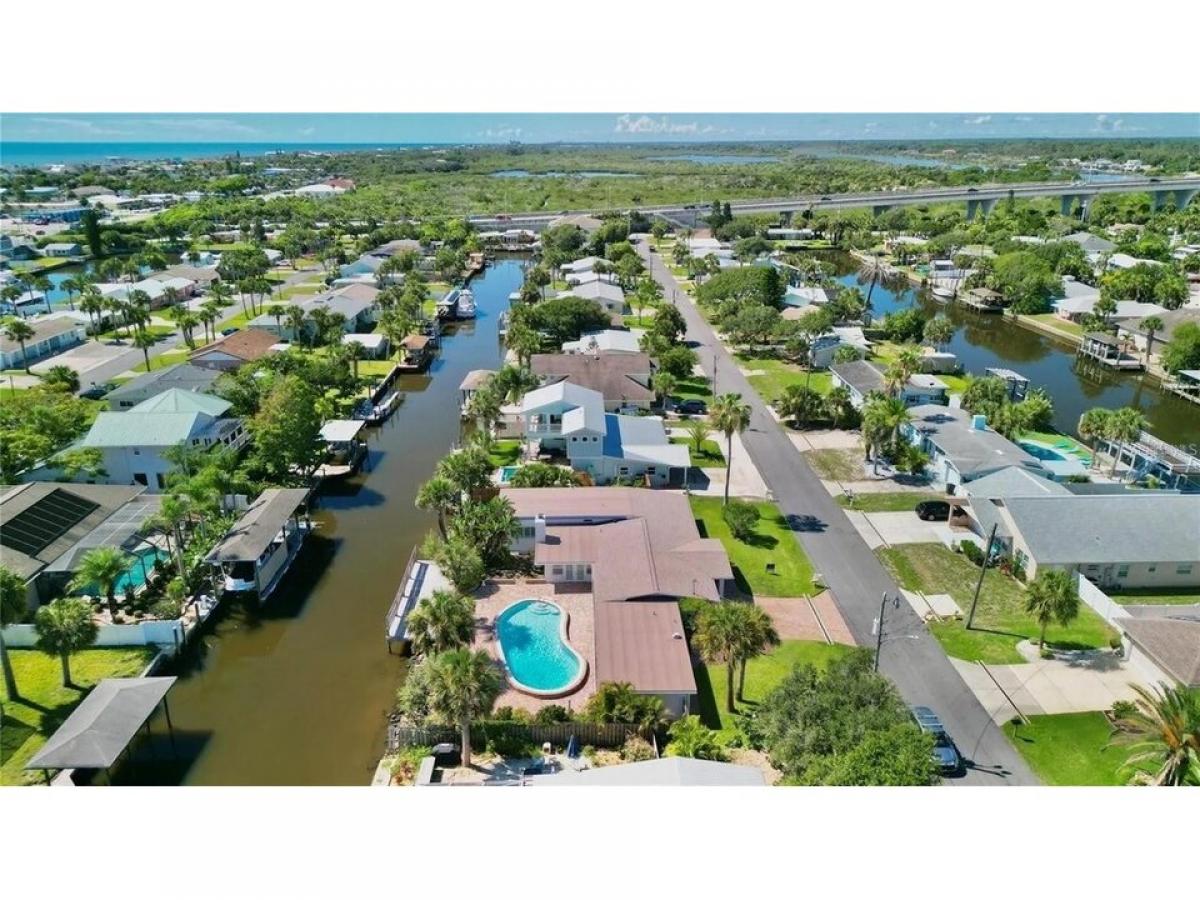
{"points": [[608, 296], [608, 341], [862, 378], [961, 447], [51, 335], [564, 417], [63, 250], [132, 443]]}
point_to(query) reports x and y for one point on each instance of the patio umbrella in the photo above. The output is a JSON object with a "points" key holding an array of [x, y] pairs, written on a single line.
{"points": [[572, 748]]}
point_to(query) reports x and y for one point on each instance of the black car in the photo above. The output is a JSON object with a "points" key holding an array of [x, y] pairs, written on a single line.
{"points": [[228, 331], [933, 510], [692, 407], [945, 754]]}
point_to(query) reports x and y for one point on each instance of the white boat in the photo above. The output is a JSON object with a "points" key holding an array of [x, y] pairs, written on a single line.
{"points": [[943, 293], [466, 304]]}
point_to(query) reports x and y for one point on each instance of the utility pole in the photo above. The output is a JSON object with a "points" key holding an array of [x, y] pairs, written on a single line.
{"points": [[987, 554]]}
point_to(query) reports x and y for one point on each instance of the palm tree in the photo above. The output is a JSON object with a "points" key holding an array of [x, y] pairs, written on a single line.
{"points": [[45, 285], [172, 517], [664, 384], [1052, 597], [837, 404], [698, 432], [1093, 425], [92, 302], [463, 685], [17, 329], [883, 419], [1162, 731], [144, 340], [872, 270], [445, 621], [1151, 324], [1125, 426], [729, 415], [13, 603], [63, 377], [439, 494], [758, 637], [721, 639], [74, 286], [296, 322], [103, 568], [65, 626]]}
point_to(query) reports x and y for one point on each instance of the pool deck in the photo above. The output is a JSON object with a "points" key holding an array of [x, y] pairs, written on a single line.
{"points": [[575, 599]]}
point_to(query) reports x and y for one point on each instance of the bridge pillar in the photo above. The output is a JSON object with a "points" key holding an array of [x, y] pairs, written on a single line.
{"points": [[1085, 205], [1184, 197], [1068, 204], [985, 206], [785, 218], [1159, 200]]}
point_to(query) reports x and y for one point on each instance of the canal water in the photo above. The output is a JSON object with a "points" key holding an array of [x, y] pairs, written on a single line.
{"points": [[296, 692], [983, 341]]}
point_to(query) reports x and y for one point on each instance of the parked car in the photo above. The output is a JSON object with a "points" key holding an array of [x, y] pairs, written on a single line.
{"points": [[933, 510], [945, 754], [225, 332], [692, 407]]}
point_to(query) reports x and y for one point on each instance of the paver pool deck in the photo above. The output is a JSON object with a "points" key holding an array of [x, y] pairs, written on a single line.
{"points": [[575, 599]]}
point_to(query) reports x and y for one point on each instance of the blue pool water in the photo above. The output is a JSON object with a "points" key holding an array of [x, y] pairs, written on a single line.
{"points": [[135, 575], [506, 473], [1041, 451], [530, 633]]}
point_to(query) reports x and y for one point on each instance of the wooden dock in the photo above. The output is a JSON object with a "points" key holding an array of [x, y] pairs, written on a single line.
{"points": [[1108, 351]]}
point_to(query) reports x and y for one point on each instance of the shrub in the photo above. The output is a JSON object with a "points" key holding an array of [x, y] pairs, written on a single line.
{"points": [[509, 741], [166, 609], [690, 609], [637, 749], [552, 714], [691, 738], [406, 762], [741, 517], [972, 552], [512, 714]]}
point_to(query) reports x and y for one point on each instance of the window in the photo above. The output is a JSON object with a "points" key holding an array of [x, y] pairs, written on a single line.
{"points": [[1122, 570], [556, 570], [1183, 569], [140, 478], [651, 470], [1152, 569], [528, 531], [161, 483]]}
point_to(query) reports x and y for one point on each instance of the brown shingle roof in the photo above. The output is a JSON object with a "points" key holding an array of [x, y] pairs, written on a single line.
{"points": [[247, 345], [1174, 644], [644, 543], [612, 374], [642, 643]]}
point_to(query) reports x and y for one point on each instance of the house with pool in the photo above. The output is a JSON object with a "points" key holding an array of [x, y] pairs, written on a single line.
{"points": [[863, 378], [962, 447], [613, 564], [565, 418]]}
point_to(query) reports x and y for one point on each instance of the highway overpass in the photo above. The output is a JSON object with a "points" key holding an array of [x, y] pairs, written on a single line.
{"points": [[978, 198]]}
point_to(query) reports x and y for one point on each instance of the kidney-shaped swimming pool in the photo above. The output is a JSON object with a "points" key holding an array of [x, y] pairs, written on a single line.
{"points": [[533, 643]]}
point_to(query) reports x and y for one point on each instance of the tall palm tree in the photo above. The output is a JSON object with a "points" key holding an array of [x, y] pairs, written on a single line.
{"points": [[871, 271], [65, 626], [74, 286], [103, 568], [1052, 597], [17, 329], [443, 622], [729, 415], [1162, 731], [664, 384], [883, 419], [837, 403], [758, 637], [144, 340], [1093, 425], [13, 603], [296, 322], [441, 495], [463, 685], [1125, 426], [721, 639], [45, 285], [1151, 324]]}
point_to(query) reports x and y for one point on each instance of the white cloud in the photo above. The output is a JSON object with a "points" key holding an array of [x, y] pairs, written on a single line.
{"points": [[81, 126], [504, 133], [306, 132], [978, 120], [628, 124], [223, 127]]}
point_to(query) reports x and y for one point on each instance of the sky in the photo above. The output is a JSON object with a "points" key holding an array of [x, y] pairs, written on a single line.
{"points": [[288, 128]]}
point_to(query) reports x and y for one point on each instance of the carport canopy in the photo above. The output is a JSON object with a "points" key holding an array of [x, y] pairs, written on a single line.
{"points": [[101, 727]]}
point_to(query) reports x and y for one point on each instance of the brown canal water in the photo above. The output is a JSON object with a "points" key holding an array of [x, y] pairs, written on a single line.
{"points": [[296, 692], [982, 341]]}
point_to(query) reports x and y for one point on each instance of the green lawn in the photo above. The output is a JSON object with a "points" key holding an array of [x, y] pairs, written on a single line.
{"points": [[1154, 597], [836, 465], [694, 388], [899, 501], [773, 542], [45, 703], [762, 675], [1069, 749], [710, 452], [1000, 621], [304, 289], [773, 375], [505, 453], [163, 360], [1053, 321], [375, 368], [119, 333]]}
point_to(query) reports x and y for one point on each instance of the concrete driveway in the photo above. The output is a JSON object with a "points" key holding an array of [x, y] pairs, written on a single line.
{"points": [[1049, 686], [885, 529]]}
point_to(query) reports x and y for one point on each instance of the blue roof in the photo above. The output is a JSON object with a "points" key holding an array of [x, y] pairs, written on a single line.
{"points": [[612, 437]]}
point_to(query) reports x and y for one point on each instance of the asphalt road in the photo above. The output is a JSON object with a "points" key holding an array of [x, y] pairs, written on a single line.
{"points": [[911, 656]]}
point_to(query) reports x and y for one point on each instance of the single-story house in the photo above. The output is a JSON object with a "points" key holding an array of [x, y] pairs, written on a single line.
{"points": [[1131, 540], [375, 346], [369, 265], [622, 378], [608, 296], [577, 278], [961, 447], [51, 336], [1125, 261], [185, 376], [49, 526], [571, 419], [234, 350], [1131, 328], [472, 383], [863, 378], [939, 362], [356, 303], [1092, 244], [579, 266], [610, 340], [805, 295], [63, 249], [629, 544], [201, 276]]}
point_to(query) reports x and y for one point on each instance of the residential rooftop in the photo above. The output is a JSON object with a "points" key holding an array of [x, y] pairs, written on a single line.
{"points": [[619, 377]]}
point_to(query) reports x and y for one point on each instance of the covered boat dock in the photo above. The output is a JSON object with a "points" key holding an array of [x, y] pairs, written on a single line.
{"points": [[254, 554]]}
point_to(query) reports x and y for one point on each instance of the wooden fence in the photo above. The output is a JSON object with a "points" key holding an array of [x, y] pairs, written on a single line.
{"points": [[585, 733]]}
